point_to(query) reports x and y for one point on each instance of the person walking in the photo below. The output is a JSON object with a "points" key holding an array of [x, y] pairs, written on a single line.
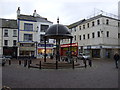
{"points": [[116, 58]]}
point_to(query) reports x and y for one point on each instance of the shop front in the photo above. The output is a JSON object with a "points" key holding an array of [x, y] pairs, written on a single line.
{"points": [[27, 49], [10, 51], [66, 47], [41, 49]]}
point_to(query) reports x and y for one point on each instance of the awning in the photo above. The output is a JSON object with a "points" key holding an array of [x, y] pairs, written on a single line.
{"points": [[68, 45]]}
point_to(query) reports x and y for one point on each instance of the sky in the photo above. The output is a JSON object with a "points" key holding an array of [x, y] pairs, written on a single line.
{"points": [[68, 11]]}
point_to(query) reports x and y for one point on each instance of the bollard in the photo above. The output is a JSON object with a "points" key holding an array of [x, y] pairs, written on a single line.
{"points": [[9, 62], [19, 62], [40, 65], [90, 63], [56, 64], [25, 63], [28, 63], [85, 63], [73, 65]]}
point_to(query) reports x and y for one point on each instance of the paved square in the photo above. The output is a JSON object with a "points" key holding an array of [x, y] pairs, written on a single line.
{"points": [[102, 74]]}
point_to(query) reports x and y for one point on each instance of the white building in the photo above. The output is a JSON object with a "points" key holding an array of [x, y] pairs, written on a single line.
{"points": [[8, 37], [31, 30], [97, 36]]}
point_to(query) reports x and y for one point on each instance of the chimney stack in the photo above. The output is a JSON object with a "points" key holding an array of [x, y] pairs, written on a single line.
{"points": [[18, 11], [35, 13]]}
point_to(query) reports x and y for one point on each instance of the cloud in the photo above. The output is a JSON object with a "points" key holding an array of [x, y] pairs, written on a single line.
{"points": [[69, 11]]}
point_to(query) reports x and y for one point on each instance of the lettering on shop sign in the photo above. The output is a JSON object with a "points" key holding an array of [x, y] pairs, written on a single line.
{"points": [[26, 45], [43, 45]]}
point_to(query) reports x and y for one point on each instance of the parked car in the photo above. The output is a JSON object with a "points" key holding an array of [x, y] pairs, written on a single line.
{"points": [[83, 56], [3, 59]]}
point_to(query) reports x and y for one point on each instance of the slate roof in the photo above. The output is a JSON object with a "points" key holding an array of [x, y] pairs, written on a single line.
{"points": [[32, 18], [8, 23], [88, 20]]}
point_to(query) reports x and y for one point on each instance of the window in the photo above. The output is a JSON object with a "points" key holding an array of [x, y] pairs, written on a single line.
{"points": [[44, 28], [5, 42], [88, 25], [118, 24], [75, 37], [107, 33], [98, 33], [118, 35], [28, 26], [88, 36], [98, 22], [5, 33], [84, 36], [41, 38], [14, 33], [107, 22], [93, 35], [79, 27], [93, 24], [28, 37], [14, 42], [83, 26], [80, 37], [75, 29]]}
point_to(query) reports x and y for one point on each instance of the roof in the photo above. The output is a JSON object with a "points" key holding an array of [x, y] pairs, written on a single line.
{"points": [[76, 24], [8, 23], [33, 18], [88, 20], [58, 31]]}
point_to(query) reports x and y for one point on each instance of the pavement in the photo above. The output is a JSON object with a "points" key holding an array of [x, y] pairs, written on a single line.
{"points": [[102, 74]]}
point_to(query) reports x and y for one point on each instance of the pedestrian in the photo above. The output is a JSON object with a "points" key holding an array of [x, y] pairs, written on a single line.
{"points": [[116, 58]]}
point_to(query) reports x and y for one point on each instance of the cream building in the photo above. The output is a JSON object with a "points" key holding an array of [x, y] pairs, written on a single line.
{"points": [[31, 30], [97, 36]]}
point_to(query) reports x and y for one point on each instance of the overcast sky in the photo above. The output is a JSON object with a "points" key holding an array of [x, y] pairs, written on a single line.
{"points": [[69, 11]]}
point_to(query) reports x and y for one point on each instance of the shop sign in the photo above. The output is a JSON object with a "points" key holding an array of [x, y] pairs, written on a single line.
{"points": [[27, 44], [43, 45], [27, 49], [68, 45]]}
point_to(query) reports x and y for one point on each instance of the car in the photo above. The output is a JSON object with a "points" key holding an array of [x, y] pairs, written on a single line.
{"points": [[3, 60], [83, 56]]}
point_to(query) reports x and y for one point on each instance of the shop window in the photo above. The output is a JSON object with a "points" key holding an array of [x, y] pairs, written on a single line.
{"points": [[5, 33], [28, 26], [28, 37]]}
